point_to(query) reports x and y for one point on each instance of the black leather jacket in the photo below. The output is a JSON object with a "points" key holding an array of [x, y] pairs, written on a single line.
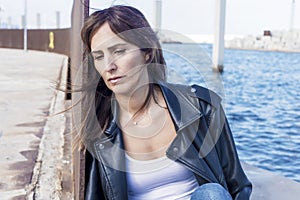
{"points": [[204, 144]]}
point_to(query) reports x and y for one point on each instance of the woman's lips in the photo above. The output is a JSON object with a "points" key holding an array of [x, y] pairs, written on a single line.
{"points": [[115, 80]]}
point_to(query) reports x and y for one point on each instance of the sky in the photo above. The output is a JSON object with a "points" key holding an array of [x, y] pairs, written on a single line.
{"points": [[243, 17]]}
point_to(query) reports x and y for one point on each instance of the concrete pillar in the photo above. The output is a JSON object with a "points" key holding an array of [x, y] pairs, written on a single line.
{"points": [[292, 15], [218, 46], [1, 10], [23, 21], [9, 22], [38, 20], [25, 25], [57, 19], [158, 11]]}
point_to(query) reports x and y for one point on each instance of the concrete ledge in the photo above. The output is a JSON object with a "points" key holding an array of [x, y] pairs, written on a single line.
{"points": [[271, 186], [47, 176]]}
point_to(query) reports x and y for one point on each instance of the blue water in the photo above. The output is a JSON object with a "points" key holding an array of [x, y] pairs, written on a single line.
{"points": [[261, 97]]}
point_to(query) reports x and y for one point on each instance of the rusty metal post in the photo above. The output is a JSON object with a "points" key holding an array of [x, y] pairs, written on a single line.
{"points": [[80, 10]]}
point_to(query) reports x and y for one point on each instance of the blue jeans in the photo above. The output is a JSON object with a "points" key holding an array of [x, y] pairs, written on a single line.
{"points": [[211, 191]]}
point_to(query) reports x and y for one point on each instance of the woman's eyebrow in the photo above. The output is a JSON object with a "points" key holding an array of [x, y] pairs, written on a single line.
{"points": [[115, 46], [97, 51]]}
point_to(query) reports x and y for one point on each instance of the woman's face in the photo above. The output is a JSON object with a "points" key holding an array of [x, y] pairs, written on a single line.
{"points": [[120, 63]]}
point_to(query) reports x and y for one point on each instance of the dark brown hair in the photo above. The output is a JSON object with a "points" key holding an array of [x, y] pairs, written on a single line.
{"points": [[131, 25]]}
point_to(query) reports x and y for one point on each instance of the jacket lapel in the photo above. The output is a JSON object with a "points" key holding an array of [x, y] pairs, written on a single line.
{"points": [[112, 156], [184, 149], [186, 114], [182, 110]]}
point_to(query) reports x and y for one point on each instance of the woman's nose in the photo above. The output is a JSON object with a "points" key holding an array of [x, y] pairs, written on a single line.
{"points": [[110, 64]]}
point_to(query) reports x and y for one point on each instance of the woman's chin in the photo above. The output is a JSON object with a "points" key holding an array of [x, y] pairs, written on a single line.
{"points": [[120, 89]]}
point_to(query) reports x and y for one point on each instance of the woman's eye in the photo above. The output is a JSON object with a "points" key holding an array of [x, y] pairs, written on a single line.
{"points": [[120, 51], [98, 57]]}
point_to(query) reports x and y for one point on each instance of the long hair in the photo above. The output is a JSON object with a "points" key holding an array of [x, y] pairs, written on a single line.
{"points": [[130, 25]]}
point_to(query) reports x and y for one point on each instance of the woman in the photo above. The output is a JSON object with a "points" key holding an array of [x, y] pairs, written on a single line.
{"points": [[146, 138]]}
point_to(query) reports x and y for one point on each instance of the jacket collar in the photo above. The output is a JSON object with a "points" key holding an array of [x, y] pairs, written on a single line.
{"points": [[179, 99], [181, 103]]}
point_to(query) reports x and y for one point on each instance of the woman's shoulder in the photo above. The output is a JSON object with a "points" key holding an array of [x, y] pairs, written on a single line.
{"points": [[203, 93]]}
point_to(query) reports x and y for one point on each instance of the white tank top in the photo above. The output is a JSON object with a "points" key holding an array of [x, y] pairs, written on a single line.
{"points": [[160, 178]]}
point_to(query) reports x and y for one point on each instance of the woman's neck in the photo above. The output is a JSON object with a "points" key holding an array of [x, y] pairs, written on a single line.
{"points": [[132, 103]]}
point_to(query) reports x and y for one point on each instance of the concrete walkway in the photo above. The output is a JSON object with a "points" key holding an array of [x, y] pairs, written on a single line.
{"points": [[28, 96], [35, 158], [271, 186]]}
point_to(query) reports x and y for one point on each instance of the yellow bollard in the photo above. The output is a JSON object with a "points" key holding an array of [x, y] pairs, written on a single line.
{"points": [[51, 40]]}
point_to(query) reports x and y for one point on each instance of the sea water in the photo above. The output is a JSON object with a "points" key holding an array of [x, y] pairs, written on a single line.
{"points": [[261, 97]]}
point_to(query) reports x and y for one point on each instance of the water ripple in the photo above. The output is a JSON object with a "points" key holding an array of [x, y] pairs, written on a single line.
{"points": [[262, 102]]}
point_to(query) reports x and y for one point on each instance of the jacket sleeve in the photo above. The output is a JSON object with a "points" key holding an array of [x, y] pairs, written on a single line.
{"points": [[237, 182], [93, 188]]}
